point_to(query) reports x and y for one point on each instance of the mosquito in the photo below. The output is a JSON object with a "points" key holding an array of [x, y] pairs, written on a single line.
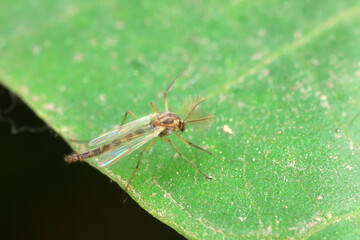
{"points": [[118, 143]]}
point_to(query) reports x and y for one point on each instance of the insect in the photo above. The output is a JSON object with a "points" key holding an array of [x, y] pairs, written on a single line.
{"points": [[118, 143]]}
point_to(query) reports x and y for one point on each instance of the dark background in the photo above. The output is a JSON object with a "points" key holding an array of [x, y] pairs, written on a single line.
{"points": [[42, 197]]}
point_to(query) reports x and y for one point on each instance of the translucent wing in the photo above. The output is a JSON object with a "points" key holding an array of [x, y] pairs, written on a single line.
{"points": [[122, 131], [120, 150]]}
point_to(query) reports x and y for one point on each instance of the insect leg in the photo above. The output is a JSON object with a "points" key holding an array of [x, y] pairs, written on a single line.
{"points": [[168, 88], [137, 165], [195, 146], [128, 112], [177, 150], [153, 107]]}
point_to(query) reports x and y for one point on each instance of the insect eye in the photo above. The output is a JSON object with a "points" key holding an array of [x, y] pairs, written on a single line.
{"points": [[182, 128]]}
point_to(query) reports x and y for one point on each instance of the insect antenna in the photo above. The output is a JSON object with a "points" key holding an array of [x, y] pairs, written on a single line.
{"points": [[193, 114], [201, 119], [193, 108]]}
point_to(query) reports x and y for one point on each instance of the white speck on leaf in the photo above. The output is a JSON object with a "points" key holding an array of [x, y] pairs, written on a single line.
{"points": [[298, 34], [257, 56], [66, 130], [261, 32], [293, 228], [269, 230], [241, 104], [24, 90], [93, 43], [60, 110], [119, 24], [357, 73], [349, 167], [315, 62], [35, 98], [330, 85], [351, 145], [78, 57], [324, 102], [227, 129], [222, 98], [110, 42], [265, 72], [292, 164], [71, 10], [49, 106], [295, 110], [102, 99], [36, 49]]}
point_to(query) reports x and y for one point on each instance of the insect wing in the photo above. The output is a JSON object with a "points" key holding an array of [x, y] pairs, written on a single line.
{"points": [[122, 131], [120, 151]]}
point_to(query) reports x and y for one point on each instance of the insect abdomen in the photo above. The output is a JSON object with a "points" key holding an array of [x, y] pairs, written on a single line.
{"points": [[89, 154]]}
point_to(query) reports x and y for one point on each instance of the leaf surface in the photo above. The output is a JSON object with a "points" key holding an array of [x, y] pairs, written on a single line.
{"points": [[281, 77]]}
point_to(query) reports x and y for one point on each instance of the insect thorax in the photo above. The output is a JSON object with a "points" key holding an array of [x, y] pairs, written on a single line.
{"points": [[171, 122]]}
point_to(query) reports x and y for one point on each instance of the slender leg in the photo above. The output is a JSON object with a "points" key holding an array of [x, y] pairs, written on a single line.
{"points": [[195, 146], [137, 165], [177, 150], [166, 102], [128, 112], [168, 88], [153, 107]]}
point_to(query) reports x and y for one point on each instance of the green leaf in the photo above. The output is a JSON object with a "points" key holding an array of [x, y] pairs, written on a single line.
{"points": [[283, 76]]}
